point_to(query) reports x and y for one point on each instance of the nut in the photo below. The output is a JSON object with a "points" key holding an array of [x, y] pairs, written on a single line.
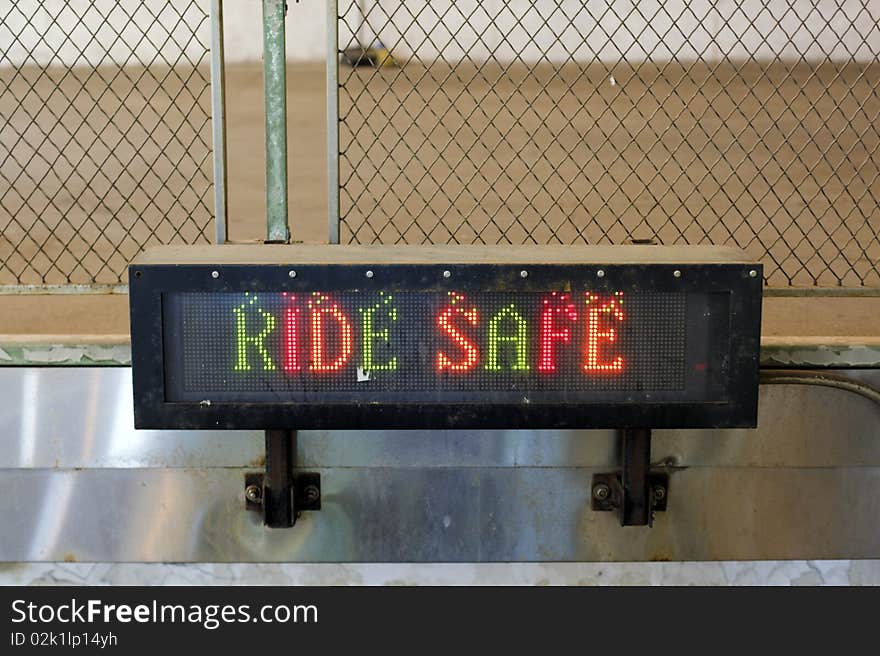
{"points": [[253, 493], [601, 491], [311, 493]]}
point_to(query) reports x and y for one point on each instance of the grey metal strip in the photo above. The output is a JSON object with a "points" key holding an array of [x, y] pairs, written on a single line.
{"points": [[63, 355], [218, 121], [332, 121], [275, 87], [836, 355], [18, 350]]}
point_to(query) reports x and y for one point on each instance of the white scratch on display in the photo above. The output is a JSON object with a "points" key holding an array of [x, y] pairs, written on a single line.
{"points": [[363, 376]]}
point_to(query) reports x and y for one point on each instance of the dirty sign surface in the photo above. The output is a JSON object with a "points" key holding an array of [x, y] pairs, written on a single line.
{"points": [[474, 345]]}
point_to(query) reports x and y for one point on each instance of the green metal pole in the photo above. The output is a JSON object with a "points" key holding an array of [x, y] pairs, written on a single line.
{"points": [[275, 85]]}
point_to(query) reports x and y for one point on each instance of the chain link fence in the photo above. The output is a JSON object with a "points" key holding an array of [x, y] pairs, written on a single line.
{"points": [[539, 121], [105, 135]]}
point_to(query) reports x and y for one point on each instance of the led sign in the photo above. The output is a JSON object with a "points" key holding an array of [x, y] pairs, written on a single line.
{"points": [[299, 337]]}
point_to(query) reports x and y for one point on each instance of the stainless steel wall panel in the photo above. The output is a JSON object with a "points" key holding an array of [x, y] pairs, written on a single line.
{"points": [[437, 515], [82, 417], [81, 484]]}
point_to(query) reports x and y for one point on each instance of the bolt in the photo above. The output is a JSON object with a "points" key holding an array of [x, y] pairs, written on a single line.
{"points": [[753, 274], [253, 493], [523, 274], [601, 492], [291, 274], [369, 274], [600, 273], [676, 273], [447, 274], [215, 274], [311, 493], [659, 492]]}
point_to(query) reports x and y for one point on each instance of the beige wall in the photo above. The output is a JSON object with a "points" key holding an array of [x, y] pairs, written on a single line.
{"points": [[689, 28]]}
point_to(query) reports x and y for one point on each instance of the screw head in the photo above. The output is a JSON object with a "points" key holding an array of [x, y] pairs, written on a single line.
{"points": [[676, 273], [659, 492], [369, 274], [311, 493], [753, 274], [253, 493], [600, 273], [523, 274], [291, 274], [601, 492], [447, 274], [215, 274]]}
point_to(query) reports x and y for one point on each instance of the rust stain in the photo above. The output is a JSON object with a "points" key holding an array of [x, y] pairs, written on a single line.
{"points": [[70, 558], [258, 462]]}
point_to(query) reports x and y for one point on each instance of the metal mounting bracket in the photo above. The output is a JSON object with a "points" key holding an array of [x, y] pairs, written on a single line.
{"points": [[635, 492], [279, 494]]}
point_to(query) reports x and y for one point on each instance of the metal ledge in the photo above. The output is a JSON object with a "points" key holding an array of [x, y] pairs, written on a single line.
{"points": [[52, 350]]}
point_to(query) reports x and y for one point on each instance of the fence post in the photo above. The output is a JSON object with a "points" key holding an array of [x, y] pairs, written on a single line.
{"points": [[275, 85], [332, 122], [218, 121]]}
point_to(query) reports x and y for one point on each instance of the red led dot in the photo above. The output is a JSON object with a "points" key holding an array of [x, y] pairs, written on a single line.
{"points": [[470, 354], [549, 332], [320, 312], [596, 312], [291, 335]]}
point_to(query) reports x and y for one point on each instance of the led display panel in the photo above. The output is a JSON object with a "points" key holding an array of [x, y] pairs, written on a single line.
{"points": [[423, 346], [605, 344]]}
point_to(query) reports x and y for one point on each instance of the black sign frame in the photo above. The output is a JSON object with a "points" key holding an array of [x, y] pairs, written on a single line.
{"points": [[148, 282]]}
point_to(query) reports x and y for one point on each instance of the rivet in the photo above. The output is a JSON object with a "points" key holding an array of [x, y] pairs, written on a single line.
{"points": [[676, 273], [291, 274], [369, 274], [447, 274], [600, 273], [523, 274], [215, 274], [753, 274]]}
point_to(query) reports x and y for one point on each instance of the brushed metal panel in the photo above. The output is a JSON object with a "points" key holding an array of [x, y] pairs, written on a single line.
{"points": [[82, 417], [437, 515]]}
